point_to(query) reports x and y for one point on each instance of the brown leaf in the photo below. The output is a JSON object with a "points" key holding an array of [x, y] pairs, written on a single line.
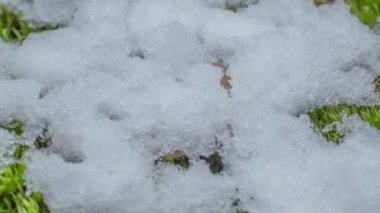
{"points": [[225, 82]]}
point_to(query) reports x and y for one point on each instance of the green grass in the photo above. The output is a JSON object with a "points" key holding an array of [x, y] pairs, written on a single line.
{"points": [[13, 198], [13, 28], [326, 119], [20, 150], [15, 126], [39, 143]]}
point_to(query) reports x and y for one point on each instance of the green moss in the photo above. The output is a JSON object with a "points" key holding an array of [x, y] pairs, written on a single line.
{"points": [[326, 119], [366, 10], [20, 150], [177, 157], [13, 28], [15, 126], [214, 161], [12, 192]]}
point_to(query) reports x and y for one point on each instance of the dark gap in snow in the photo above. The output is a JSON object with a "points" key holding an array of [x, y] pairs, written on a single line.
{"points": [[110, 112], [70, 156], [137, 53], [360, 65], [44, 91]]}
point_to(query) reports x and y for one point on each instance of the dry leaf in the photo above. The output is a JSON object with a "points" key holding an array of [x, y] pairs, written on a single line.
{"points": [[225, 82]]}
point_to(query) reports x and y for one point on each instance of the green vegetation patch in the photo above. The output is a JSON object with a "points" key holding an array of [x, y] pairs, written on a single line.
{"points": [[13, 198], [41, 142], [13, 28], [366, 10], [326, 119], [20, 150], [15, 126], [176, 157]]}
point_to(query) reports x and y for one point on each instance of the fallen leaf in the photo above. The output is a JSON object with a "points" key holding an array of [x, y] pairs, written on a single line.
{"points": [[225, 82]]}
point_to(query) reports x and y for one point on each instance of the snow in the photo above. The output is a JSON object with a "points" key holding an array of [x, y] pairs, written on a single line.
{"points": [[125, 81]]}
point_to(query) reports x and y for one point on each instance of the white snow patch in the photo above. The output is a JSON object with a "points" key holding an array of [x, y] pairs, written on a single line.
{"points": [[123, 82]]}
